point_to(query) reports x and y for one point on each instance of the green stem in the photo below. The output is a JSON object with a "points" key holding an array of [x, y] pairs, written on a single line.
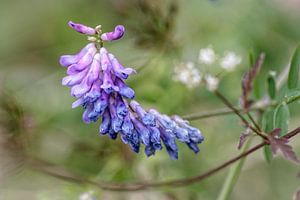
{"points": [[233, 175]]}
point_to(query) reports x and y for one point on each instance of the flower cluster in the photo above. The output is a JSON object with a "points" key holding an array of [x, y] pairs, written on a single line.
{"points": [[97, 80], [188, 74]]}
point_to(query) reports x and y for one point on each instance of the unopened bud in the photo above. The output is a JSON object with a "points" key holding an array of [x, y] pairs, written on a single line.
{"points": [[91, 39], [98, 29]]}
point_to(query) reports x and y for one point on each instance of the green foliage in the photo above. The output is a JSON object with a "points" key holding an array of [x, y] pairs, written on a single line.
{"points": [[271, 86], [267, 126], [294, 69], [292, 96], [281, 118]]}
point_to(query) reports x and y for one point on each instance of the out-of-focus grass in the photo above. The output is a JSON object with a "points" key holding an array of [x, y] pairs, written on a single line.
{"points": [[34, 34]]}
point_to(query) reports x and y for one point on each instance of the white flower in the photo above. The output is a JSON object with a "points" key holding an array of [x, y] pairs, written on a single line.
{"points": [[187, 74], [207, 56], [87, 196], [230, 61], [212, 82]]}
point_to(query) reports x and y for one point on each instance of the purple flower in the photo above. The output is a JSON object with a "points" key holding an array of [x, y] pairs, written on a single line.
{"points": [[122, 108], [124, 90], [116, 122], [96, 79], [67, 60], [127, 126], [105, 125], [142, 130], [102, 102], [169, 142], [114, 35], [82, 28], [147, 118], [119, 70]]}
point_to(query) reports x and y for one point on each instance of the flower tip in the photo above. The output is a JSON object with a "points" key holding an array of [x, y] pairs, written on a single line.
{"points": [[114, 35], [80, 28], [66, 60], [65, 81], [71, 24], [120, 28], [174, 155]]}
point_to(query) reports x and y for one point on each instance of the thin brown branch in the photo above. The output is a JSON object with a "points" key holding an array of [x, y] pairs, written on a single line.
{"points": [[225, 111], [253, 121], [262, 104], [215, 113], [243, 119], [62, 173]]}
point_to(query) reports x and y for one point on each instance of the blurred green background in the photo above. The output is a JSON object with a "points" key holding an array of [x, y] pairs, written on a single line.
{"points": [[34, 34]]}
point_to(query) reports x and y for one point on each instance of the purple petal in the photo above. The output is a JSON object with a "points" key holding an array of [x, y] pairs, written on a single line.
{"points": [[119, 70], [82, 28], [72, 80], [142, 130], [94, 92], [193, 146], [79, 90], [147, 118], [75, 68], [108, 84], [116, 122], [124, 90], [122, 109], [155, 138], [105, 125], [102, 103], [78, 102], [149, 151], [170, 143], [87, 59], [127, 126], [134, 141], [67, 60], [114, 35], [94, 71], [85, 116], [105, 61]]}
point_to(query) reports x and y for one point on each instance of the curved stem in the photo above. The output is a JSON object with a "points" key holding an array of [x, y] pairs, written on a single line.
{"points": [[61, 173]]}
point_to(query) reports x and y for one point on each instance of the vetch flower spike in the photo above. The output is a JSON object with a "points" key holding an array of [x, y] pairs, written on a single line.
{"points": [[97, 80]]}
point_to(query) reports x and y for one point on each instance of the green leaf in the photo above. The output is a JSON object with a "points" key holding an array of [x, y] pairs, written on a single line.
{"points": [[271, 86], [294, 69], [257, 88], [268, 153], [267, 126], [281, 118], [251, 58], [292, 96], [267, 121]]}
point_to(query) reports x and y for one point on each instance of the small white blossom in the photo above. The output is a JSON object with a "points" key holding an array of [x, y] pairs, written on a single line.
{"points": [[207, 56], [230, 61], [212, 82], [187, 74], [87, 196]]}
